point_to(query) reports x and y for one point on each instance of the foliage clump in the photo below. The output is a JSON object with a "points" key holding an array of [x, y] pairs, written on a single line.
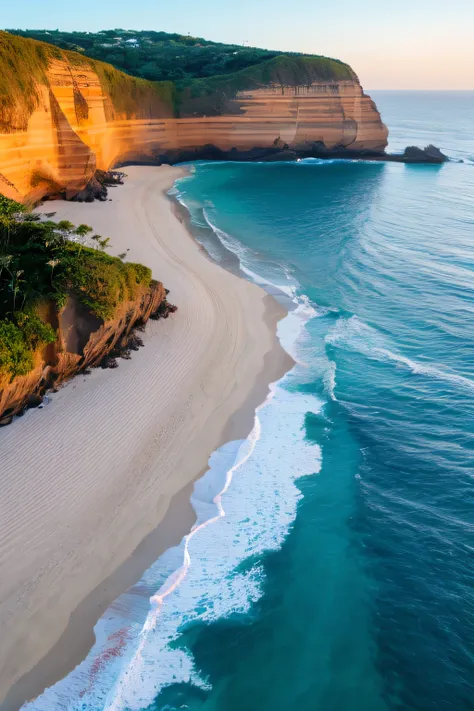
{"points": [[155, 56], [20, 337], [23, 66], [42, 262], [171, 57], [102, 282], [146, 74]]}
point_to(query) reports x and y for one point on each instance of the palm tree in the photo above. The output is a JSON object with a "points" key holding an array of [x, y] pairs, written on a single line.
{"points": [[15, 285], [5, 261], [53, 263]]}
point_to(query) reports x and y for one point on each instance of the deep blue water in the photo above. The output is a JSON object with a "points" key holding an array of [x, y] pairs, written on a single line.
{"points": [[368, 604], [341, 576]]}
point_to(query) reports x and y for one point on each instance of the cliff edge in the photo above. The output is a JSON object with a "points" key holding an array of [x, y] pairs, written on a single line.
{"points": [[81, 341], [63, 116], [65, 306]]}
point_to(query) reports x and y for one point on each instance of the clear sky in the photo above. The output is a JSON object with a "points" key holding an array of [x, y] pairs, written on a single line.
{"points": [[391, 44]]}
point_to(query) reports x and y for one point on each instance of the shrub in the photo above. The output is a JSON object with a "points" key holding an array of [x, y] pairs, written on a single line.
{"points": [[38, 263], [100, 281], [19, 340], [35, 331], [143, 273], [83, 230], [16, 358], [9, 207]]}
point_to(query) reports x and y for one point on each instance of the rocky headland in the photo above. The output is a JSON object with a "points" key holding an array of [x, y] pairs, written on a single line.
{"points": [[65, 116], [66, 120]]}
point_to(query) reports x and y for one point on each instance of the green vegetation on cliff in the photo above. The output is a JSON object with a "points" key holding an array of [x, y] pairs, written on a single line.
{"points": [[161, 56], [23, 67], [101, 282], [41, 262], [20, 337], [282, 70], [169, 70], [154, 99]]}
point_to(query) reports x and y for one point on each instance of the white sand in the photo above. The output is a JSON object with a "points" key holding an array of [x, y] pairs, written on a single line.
{"points": [[87, 478]]}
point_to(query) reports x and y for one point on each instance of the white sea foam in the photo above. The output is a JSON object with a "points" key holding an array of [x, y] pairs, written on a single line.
{"points": [[353, 334], [290, 329], [245, 505], [329, 380], [133, 659]]}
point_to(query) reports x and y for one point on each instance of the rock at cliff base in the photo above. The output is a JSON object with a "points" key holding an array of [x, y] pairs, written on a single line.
{"points": [[284, 155], [33, 401]]}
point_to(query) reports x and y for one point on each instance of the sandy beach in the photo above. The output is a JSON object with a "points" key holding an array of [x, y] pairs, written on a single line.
{"points": [[96, 484]]}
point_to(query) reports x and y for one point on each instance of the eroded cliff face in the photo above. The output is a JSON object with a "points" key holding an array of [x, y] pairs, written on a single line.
{"points": [[83, 341], [87, 115]]}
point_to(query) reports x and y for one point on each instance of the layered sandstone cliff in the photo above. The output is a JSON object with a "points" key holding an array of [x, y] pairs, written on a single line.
{"points": [[80, 115]]}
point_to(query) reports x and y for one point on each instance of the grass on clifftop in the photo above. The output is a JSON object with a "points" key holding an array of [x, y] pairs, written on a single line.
{"points": [[154, 99], [40, 265], [198, 69], [23, 67], [162, 56], [283, 70]]}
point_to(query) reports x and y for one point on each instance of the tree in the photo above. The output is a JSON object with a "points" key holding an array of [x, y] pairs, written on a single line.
{"points": [[15, 285], [53, 263], [65, 227], [83, 230], [5, 261]]}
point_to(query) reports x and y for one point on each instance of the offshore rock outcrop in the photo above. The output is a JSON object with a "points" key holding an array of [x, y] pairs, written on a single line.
{"points": [[81, 115], [83, 341], [430, 154]]}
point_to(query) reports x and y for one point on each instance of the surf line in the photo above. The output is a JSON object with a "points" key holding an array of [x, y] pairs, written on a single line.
{"points": [[158, 599], [175, 579]]}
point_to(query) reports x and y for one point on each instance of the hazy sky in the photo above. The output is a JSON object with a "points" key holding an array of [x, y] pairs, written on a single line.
{"points": [[391, 44]]}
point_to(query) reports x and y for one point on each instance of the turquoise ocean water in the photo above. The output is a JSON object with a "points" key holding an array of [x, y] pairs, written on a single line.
{"points": [[332, 569]]}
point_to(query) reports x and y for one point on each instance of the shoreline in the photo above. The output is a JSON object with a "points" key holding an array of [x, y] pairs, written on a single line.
{"points": [[413, 155], [227, 409]]}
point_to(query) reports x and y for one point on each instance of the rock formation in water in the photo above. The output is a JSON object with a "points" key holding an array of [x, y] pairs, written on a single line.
{"points": [[63, 116], [430, 154]]}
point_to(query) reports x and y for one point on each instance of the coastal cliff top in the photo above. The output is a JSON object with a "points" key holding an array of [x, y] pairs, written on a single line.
{"points": [[197, 68], [162, 56], [24, 67]]}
